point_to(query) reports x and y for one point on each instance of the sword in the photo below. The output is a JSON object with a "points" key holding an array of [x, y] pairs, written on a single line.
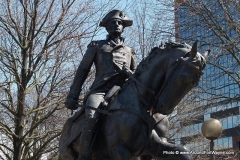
{"points": [[96, 109]]}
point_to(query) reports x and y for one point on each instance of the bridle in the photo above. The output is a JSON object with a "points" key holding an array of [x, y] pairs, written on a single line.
{"points": [[151, 106], [155, 95]]}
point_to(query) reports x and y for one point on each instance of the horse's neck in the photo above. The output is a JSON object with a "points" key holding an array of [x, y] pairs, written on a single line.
{"points": [[153, 77], [130, 97], [150, 73], [137, 96], [149, 69]]}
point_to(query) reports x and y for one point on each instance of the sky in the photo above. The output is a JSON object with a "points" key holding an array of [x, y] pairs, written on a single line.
{"points": [[153, 8]]}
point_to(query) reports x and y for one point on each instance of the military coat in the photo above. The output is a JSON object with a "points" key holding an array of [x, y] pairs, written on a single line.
{"points": [[109, 59]]}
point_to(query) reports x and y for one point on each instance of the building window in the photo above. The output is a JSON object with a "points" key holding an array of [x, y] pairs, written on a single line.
{"points": [[238, 145]]}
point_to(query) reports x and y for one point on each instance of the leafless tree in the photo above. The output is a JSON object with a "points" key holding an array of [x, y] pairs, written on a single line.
{"points": [[216, 25], [38, 45], [149, 29]]}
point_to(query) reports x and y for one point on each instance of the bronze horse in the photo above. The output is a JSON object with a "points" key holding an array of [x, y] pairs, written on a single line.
{"points": [[137, 126]]}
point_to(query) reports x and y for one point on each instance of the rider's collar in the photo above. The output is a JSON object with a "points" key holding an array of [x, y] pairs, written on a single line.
{"points": [[118, 41]]}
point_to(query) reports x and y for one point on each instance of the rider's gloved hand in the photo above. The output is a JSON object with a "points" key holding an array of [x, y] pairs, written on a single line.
{"points": [[71, 103], [126, 70]]}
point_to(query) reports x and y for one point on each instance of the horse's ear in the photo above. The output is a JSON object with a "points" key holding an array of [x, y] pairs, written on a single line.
{"points": [[194, 49]]}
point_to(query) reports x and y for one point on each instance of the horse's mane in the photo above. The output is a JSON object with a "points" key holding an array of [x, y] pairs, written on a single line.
{"points": [[143, 65]]}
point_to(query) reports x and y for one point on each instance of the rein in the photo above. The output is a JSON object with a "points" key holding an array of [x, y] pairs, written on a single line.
{"points": [[149, 90], [155, 98]]}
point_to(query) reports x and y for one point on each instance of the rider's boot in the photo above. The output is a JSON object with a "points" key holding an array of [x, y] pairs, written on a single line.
{"points": [[86, 139]]}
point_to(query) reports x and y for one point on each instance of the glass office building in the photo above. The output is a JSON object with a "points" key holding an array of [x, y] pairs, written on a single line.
{"points": [[218, 93]]}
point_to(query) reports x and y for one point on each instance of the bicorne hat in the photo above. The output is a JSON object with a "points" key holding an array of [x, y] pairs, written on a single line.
{"points": [[116, 14]]}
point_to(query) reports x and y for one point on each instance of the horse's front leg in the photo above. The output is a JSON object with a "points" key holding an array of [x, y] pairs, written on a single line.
{"points": [[119, 152], [160, 148], [126, 135]]}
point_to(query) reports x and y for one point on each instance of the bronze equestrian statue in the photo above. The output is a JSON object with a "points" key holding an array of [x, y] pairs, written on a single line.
{"points": [[111, 58], [137, 125]]}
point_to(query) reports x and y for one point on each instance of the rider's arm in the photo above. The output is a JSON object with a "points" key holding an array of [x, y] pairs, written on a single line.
{"points": [[81, 75]]}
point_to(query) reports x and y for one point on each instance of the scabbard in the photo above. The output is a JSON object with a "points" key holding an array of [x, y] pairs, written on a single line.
{"points": [[96, 109]]}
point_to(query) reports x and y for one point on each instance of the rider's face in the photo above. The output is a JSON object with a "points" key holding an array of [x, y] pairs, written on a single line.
{"points": [[115, 26]]}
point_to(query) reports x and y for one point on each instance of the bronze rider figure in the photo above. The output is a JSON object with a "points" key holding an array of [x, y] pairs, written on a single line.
{"points": [[112, 58]]}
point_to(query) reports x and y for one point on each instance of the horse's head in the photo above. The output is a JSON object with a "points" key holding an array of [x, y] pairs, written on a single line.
{"points": [[172, 71], [181, 76]]}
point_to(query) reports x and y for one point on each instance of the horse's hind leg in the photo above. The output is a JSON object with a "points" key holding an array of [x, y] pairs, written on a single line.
{"points": [[119, 152]]}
